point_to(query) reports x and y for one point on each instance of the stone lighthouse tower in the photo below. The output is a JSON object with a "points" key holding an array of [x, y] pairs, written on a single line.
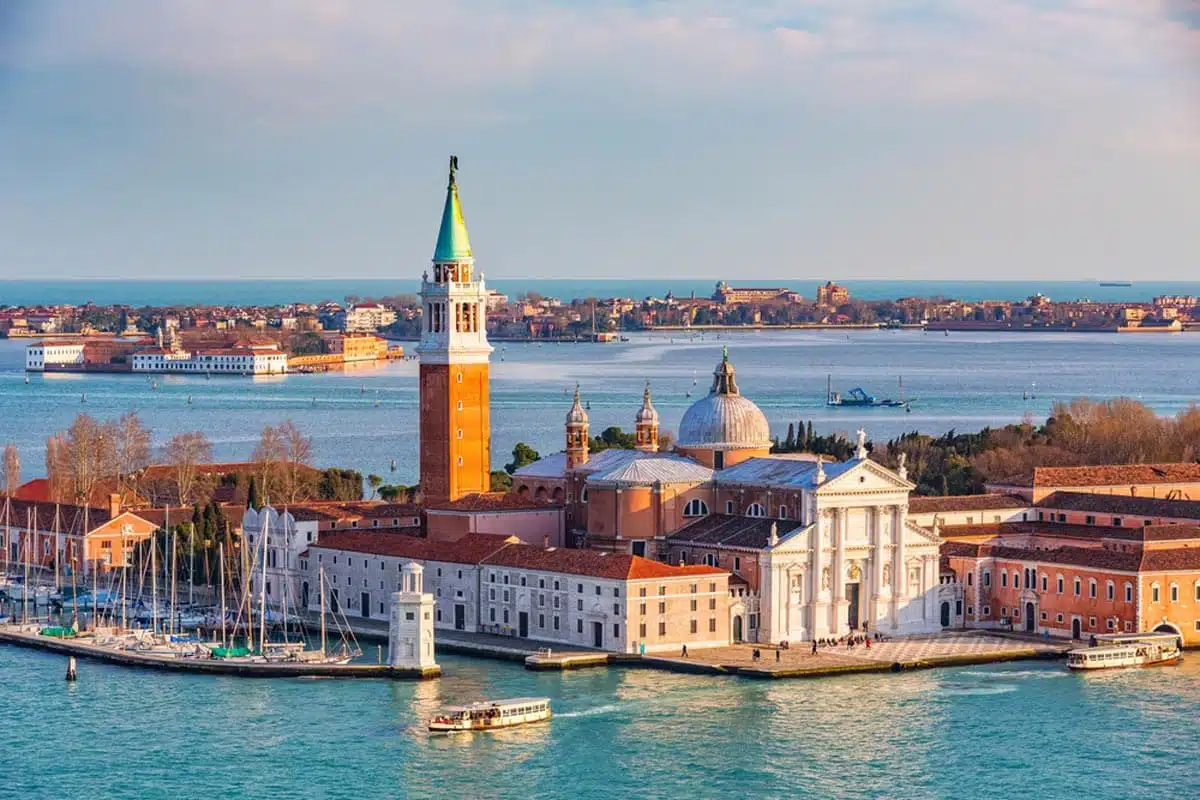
{"points": [[455, 428], [646, 425], [410, 632], [577, 434]]}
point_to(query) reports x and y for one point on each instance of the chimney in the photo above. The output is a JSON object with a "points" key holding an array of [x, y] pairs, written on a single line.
{"points": [[546, 541], [114, 505]]}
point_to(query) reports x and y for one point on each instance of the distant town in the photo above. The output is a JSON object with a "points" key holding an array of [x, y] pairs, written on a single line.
{"points": [[303, 337]]}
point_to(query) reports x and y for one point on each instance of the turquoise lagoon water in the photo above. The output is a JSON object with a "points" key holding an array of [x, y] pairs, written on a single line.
{"points": [[367, 416], [1000, 731]]}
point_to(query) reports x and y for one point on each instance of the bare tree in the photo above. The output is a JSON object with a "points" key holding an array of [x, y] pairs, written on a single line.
{"points": [[185, 452], [269, 455], [56, 467], [88, 456], [297, 450], [132, 440], [10, 469]]}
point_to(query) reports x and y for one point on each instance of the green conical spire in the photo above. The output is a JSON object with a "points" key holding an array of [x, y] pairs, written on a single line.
{"points": [[452, 241]]}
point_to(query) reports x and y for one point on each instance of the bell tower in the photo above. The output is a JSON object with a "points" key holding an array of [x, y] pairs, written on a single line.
{"points": [[455, 428], [577, 434], [646, 425]]}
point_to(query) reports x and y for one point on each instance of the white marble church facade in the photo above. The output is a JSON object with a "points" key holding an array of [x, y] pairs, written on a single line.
{"points": [[858, 560]]}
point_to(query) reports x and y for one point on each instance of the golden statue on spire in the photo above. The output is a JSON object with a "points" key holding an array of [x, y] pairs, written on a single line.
{"points": [[453, 168]]}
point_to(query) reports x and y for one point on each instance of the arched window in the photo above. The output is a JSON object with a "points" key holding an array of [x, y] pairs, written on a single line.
{"points": [[1110, 589], [987, 577], [1154, 593], [583, 495], [1174, 592], [1092, 588], [756, 510], [970, 579], [695, 508], [728, 506], [711, 559], [783, 512], [1128, 592], [1078, 586]]}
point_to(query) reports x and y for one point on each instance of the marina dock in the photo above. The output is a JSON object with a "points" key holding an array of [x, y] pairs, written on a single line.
{"points": [[81, 648]]}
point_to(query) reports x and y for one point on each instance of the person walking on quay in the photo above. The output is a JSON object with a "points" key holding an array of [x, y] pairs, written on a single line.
{"points": [[683, 653], [868, 641], [814, 648], [777, 651]]}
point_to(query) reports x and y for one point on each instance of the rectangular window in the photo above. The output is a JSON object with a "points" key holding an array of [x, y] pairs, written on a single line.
{"points": [[556, 586], [737, 563], [693, 605], [541, 620], [579, 626], [692, 588], [1004, 579], [617, 609], [556, 622], [616, 592], [662, 629], [616, 631], [1128, 593], [712, 624], [1060, 584], [491, 614], [642, 631], [580, 606], [1111, 591], [643, 609], [695, 627], [662, 606], [1089, 520], [1116, 522], [1044, 582], [579, 588], [506, 616], [642, 592], [597, 591], [712, 604]]}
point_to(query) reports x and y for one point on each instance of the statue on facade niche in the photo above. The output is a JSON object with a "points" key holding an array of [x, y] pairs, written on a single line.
{"points": [[855, 573], [887, 575], [860, 452], [902, 469], [825, 578]]}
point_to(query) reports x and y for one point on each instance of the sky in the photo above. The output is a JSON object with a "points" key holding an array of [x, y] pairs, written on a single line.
{"points": [[792, 139]]}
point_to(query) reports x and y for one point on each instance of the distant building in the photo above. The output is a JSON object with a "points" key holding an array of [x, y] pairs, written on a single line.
{"points": [[730, 295], [1179, 481], [242, 359], [366, 318], [831, 294], [51, 354]]}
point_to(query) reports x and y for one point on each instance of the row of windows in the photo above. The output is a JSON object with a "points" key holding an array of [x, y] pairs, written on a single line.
{"points": [[698, 508]]}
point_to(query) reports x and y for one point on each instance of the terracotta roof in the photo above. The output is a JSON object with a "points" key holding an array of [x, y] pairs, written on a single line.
{"points": [[36, 489], [1116, 475], [1163, 533], [592, 563], [1092, 557], [232, 513], [494, 501], [470, 549], [1059, 529], [966, 502], [361, 509], [70, 518], [1177, 558], [1121, 504], [724, 530]]}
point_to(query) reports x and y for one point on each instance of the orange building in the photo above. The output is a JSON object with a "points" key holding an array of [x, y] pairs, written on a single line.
{"points": [[455, 428], [64, 537], [1165, 481], [1076, 580]]}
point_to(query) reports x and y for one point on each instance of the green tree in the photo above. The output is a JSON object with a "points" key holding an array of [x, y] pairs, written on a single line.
{"points": [[374, 481], [523, 455], [789, 443], [501, 481]]}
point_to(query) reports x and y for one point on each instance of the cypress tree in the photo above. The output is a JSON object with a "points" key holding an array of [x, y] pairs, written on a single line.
{"points": [[790, 442], [808, 434], [252, 494]]}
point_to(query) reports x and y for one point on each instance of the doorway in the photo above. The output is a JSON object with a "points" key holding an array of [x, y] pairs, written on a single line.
{"points": [[334, 606], [1030, 618], [365, 599], [852, 611], [1076, 629], [598, 635], [639, 549], [460, 617], [304, 595], [946, 614], [737, 629], [523, 624]]}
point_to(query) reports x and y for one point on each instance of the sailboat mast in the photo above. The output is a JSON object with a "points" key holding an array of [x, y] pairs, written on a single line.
{"points": [[124, 582], [25, 588], [191, 564], [221, 556], [154, 583], [57, 543], [94, 566], [262, 590], [174, 574], [321, 577]]}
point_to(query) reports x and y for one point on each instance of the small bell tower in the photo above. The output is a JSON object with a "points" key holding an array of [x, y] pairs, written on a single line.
{"points": [[646, 425], [577, 434]]}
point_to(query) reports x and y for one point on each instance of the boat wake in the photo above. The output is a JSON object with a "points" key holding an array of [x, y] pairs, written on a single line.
{"points": [[1023, 673], [590, 712], [980, 691]]}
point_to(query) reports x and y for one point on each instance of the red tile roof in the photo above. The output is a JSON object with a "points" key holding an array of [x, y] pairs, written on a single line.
{"points": [[470, 549], [494, 501], [1121, 504], [966, 502], [592, 563], [1163, 533], [354, 509], [1116, 475]]}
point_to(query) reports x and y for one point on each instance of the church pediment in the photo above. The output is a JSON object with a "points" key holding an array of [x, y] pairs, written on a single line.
{"points": [[864, 476]]}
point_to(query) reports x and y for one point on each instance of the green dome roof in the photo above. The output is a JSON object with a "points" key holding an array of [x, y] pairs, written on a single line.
{"points": [[452, 241]]}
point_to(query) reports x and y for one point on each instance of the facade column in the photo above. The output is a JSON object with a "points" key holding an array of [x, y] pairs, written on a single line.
{"points": [[841, 604], [899, 577], [820, 619], [878, 556]]}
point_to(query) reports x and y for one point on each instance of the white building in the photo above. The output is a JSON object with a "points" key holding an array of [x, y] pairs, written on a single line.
{"points": [[367, 318], [287, 537], [51, 354], [254, 359]]}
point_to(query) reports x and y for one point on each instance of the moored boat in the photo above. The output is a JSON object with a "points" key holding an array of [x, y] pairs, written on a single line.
{"points": [[492, 715], [1123, 650]]}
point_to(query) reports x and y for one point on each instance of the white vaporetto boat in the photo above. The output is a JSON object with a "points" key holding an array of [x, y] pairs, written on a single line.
{"points": [[1119, 650], [492, 716]]}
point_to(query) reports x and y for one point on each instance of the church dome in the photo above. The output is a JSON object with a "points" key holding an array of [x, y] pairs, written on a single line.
{"points": [[724, 419], [647, 414]]}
